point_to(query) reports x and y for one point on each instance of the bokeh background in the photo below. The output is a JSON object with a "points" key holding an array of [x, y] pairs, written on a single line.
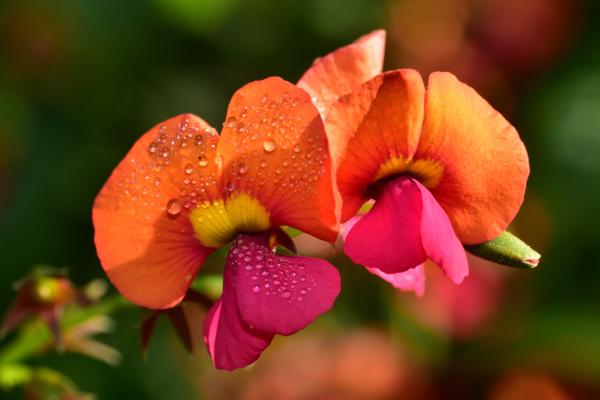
{"points": [[80, 81]]}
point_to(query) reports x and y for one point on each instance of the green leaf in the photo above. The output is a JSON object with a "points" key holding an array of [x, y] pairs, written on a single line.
{"points": [[12, 375], [507, 249]]}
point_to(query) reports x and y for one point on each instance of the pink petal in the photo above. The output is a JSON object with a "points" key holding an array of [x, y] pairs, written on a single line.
{"points": [[280, 294], [439, 240], [230, 341], [412, 280], [389, 235], [404, 228]]}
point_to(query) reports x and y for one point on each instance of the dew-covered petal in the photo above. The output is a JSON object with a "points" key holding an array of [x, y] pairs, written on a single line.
{"points": [[143, 235], [341, 71], [412, 280], [380, 120], [405, 227], [274, 147], [485, 163], [280, 294], [230, 342]]}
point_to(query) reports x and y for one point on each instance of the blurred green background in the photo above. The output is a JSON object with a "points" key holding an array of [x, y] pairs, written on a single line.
{"points": [[80, 81]]}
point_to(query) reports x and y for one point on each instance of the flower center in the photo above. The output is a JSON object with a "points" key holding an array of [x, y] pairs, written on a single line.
{"points": [[428, 172], [217, 223]]}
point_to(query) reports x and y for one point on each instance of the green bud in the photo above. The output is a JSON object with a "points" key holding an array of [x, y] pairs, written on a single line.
{"points": [[507, 249]]}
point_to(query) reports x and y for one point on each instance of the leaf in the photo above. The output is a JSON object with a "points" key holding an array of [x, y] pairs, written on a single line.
{"points": [[13, 374], [507, 249]]}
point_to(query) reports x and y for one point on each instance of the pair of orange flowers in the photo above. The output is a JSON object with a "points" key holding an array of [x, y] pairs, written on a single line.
{"points": [[443, 167]]}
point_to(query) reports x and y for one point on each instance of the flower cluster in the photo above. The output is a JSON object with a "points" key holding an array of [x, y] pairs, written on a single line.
{"points": [[440, 167]]}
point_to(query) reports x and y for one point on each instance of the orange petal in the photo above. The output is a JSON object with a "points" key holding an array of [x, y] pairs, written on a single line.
{"points": [[144, 236], [341, 71], [378, 121], [274, 148], [485, 163]]}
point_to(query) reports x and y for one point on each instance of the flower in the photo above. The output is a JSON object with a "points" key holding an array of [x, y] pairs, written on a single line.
{"points": [[183, 191], [44, 293], [444, 168]]}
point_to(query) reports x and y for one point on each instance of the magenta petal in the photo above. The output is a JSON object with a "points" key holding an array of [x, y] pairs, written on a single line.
{"points": [[412, 280], [389, 235], [280, 294], [440, 242], [405, 227], [230, 341]]}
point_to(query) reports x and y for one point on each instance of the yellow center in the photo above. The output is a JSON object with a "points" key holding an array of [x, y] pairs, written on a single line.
{"points": [[428, 172], [216, 223]]}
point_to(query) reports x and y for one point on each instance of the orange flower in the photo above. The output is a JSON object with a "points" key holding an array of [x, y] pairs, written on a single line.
{"points": [[444, 167], [183, 191]]}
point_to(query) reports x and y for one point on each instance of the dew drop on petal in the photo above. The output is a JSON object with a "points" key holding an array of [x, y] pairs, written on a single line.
{"points": [[256, 289], [231, 122], [202, 161], [189, 168], [242, 169], [152, 148], [269, 146], [286, 295], [174, 208]]}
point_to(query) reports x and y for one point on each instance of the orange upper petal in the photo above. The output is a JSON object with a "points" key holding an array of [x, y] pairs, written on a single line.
{"points": [[143, 234], [274, 147], [485, 163], [380, 120], [341, 71]]}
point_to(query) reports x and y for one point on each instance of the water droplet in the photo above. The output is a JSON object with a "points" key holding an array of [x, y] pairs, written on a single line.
{"points": [[256, 289], [202, 161], [263, 164], [219, 160], [189, 168], [231, 121], [152, 148], [269, 146], [173, 208], [198, 139], [242, 169], [297, 148], [286, 295], [249, 267]]}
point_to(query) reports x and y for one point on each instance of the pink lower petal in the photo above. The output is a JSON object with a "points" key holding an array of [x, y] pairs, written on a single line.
{"points": [[230, 341], [280, 294], [412, 280], [405, 227], [439, 240], [389, 235]]}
